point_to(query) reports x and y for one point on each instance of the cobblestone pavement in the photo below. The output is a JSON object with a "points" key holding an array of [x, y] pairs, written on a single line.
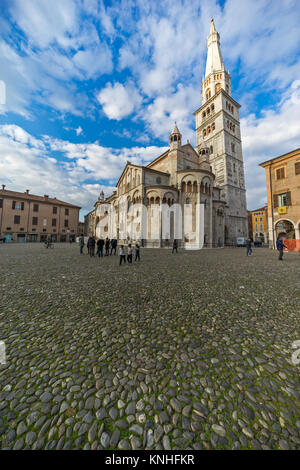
{"points": [[186, 351]]}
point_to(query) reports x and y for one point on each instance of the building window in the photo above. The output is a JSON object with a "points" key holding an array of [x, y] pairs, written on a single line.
{"points": [[53, 222], [1, 203], [280, 173], [35, 207], [44, 222], [233, 148], [297, 169], [158, 180], [17, 219], [54, 210], [284, 199], [213, 126], [44, 230], [8, 228], [33, 230], [19, 206], [34, 220], [66, 223], [66, 211]]}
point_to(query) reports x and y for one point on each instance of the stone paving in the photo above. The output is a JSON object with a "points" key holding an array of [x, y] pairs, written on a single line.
{"points": [[186, 351]]}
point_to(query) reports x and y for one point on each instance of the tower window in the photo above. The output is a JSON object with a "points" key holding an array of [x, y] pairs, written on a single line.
{"points": [[212, 107], [211, 149], [213, 126]]}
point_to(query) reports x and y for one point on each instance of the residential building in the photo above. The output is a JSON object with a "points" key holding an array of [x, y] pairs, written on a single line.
{"points": [[260, 225], [283, 191], [25, 217]]}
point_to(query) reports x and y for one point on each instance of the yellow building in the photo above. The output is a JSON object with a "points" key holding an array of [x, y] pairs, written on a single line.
{"points": [[260, 224], [283, 190]]}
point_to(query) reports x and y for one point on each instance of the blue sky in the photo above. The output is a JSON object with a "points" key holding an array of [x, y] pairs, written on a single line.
{"points": [[91, 84]]}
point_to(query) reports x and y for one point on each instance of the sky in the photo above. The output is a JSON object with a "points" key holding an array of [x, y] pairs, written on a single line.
{"points": [[87, 85]]}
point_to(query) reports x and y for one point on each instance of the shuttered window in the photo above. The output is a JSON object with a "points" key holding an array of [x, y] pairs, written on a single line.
{"points": [[297, 168], [280, 173], [17, 219], [34, 220]]}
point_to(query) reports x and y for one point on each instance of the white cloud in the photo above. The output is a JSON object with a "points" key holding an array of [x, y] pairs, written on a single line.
{"points": [[276, 132], [119, 101], [79, 130], [27, 162]]}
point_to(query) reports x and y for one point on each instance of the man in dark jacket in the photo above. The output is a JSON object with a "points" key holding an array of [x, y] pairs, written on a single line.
{"points": [[174, 246], [91, 245], [249, 247], [107, 243], [280, 245], [113, 245], [100, 244]]}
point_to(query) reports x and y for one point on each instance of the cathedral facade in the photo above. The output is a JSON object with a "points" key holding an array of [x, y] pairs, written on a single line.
{"points": [[205, 184]]}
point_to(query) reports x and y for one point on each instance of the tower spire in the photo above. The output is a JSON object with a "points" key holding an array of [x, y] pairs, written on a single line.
{"points": [[214, 60]]}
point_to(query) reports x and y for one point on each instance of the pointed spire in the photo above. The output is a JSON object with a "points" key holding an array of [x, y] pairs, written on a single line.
{"points": [[214, 56], [175, 130], [212, 26]]}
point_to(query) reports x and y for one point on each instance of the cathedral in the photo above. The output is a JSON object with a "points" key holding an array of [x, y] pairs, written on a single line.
{"points": [[210, 176]]}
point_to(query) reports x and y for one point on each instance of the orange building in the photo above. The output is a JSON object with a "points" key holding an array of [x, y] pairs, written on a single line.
{"points": [[260, 224], [283, 190]]}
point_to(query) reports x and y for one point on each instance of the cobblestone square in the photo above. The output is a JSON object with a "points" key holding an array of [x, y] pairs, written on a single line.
{"points": [[184, 351]]}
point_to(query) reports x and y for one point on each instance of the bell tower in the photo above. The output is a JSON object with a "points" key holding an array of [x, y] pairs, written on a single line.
{"points": [[218, 128], [175, 138]]}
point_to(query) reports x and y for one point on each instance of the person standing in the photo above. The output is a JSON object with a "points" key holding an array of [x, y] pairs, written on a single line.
{"points": [[129, 254], [249, 247], [122, 254], [137, 252], [280, 245], [91, 246], [107, 246], [174, 246], [81, 244], [100, 244], [114, 243]]}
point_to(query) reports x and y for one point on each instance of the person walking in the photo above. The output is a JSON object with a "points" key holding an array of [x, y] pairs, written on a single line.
{"points": [[174, 246], [280, 245], [249, 247], [122, 254], [114, 244], [81, 244], [100, 244], [137, 252], [107, 242], [129, 254]]}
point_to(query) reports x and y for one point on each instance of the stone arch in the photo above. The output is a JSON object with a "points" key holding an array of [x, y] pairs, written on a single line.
{"points": [[285, 228], [195, 187]]}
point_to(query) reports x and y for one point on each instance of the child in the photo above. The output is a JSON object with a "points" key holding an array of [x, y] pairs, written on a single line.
{"points": [[137, 252], [122, 254], [129, 253]]}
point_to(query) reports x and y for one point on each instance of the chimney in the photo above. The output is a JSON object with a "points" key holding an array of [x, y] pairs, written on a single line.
{"points": [[46, 196], [27, 191], [3, 187]]}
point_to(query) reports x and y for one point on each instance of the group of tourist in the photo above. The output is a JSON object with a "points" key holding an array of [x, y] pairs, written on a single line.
{"points": [[110, 247]]}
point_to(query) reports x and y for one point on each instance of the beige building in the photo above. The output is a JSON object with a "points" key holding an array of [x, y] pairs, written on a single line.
{"points": [[283, 190], [25, 217]]}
